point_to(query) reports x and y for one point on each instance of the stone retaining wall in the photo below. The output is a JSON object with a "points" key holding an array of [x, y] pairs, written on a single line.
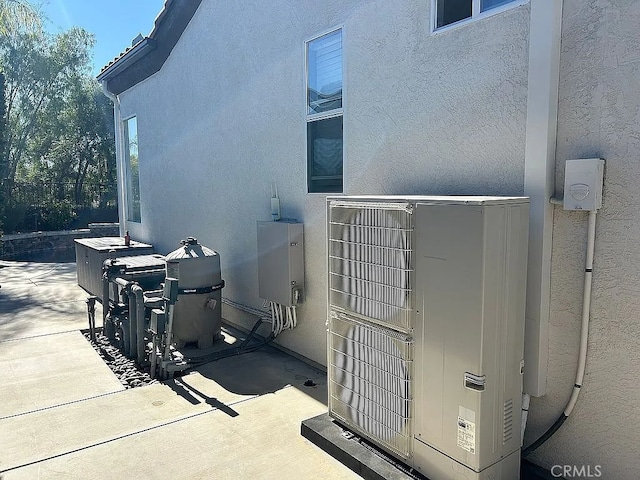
{"points": [[24, 245]]}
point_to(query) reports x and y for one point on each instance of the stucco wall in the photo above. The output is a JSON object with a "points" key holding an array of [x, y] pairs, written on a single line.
{"points": [[226, 115], [599, 116]]}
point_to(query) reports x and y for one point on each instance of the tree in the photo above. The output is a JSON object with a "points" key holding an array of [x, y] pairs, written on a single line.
{"points": [[18, 15], [15, 15], [39, 69], [59, 126], [75, 143]]}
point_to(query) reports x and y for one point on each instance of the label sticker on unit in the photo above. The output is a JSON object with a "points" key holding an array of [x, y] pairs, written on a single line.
{"points": [[467, 430]]}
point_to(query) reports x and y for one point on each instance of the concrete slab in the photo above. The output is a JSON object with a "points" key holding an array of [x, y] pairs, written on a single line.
{"points": [[261, 440], [256, 373], [63, 414], [41, 298], [44, 371], [25, 273], [48, 433]]}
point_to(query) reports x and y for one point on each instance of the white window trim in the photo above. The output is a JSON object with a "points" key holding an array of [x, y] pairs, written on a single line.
{"points": [[338, 112], [476, 15]]}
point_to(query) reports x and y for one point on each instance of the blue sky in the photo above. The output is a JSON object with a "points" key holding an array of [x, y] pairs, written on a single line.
{"points": [[113, 22]]}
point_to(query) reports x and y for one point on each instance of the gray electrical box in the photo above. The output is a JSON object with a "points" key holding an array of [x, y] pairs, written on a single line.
{"points": [[281, 262]]}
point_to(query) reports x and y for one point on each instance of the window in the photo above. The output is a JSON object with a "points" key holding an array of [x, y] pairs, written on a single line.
{"points": [[324, 114], [452, 11], [132, 173]]}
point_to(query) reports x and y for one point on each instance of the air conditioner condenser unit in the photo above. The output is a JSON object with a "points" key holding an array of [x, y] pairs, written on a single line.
{"points": [[426, 329]]}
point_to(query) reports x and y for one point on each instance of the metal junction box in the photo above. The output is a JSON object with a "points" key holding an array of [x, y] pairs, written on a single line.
{"points": [[280, 261]]}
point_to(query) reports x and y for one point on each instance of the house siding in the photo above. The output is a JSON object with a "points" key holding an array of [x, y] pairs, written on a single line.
{"points": [[599, 116], [430, 114], [424, 114]]}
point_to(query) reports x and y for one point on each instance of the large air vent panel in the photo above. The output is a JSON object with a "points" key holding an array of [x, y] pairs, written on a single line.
{"points": [[370, 258], [370, 371]]}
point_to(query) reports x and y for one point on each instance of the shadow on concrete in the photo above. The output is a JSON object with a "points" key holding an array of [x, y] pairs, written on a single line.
{"points": [[46, 256], [263, 371], [179, 389], [11, 330], [9, 306]]}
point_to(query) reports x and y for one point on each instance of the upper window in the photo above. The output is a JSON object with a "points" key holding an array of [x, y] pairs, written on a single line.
{"points": [[132, 172], [452, 11], [324, 114], [324, 62]]}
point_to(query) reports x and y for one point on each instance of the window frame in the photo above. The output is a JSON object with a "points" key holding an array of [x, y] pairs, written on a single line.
{"points": [[315, 117], [476, 14], [127, 175]]}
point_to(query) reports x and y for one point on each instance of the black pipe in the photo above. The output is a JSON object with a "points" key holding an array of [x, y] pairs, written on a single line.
{"points": [[545, 436], [230, 352]]}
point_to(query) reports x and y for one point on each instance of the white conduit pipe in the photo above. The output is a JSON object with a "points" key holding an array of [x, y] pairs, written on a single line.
{"points": [[526, 400], [584, 337], [586, 310], [274, 326], [282, 319], [289, 323]]}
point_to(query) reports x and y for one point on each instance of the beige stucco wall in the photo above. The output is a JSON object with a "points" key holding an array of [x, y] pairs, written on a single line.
{"points": [[599, 116], [433, 114], [226, 115]]}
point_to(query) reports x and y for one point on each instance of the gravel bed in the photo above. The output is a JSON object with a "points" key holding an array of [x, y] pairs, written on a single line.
{"points": [[126, 369]]}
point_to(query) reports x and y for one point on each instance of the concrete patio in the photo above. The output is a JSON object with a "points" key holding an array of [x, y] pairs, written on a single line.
{"points": [[64, 414]]}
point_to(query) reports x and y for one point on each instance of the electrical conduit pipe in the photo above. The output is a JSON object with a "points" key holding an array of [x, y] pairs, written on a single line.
{"points": [[584, 337]]}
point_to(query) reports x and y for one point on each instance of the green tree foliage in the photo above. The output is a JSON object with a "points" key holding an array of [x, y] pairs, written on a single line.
{"points": [[15, 15], [59, 126], [18, 15]]}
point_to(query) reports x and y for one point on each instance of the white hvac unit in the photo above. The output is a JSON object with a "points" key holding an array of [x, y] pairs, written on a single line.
{"points": [[426, 329]]}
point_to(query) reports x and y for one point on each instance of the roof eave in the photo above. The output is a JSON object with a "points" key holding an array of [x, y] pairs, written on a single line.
{"points": [[139, 50]]}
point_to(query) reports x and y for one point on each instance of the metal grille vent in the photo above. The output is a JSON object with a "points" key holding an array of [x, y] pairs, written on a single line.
{"points": [[507, 424], [370, 262], [370, 381]]}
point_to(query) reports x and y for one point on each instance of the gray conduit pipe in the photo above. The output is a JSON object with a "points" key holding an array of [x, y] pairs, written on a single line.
{"points": [[105, 299], [137, 292], [133, 320]]}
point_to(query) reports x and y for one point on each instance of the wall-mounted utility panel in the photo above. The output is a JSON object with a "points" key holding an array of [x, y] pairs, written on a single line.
{"points": [[281, 262], [583, 184]]}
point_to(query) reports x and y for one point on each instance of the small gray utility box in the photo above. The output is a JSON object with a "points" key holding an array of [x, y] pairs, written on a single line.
{"points": [[280, 262]]}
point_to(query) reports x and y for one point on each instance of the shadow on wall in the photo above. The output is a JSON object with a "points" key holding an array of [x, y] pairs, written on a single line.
{"points": [[458, 186]]}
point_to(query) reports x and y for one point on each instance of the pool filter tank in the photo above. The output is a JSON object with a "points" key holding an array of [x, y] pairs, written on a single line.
{"points": [[198, 311]]}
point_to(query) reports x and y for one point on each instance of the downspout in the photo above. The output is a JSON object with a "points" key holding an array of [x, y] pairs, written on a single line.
{"points": [[119, 139], [545, 34], [539, 182]]}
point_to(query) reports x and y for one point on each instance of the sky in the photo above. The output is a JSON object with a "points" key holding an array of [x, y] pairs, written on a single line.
{"points": [[115, 23]]}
